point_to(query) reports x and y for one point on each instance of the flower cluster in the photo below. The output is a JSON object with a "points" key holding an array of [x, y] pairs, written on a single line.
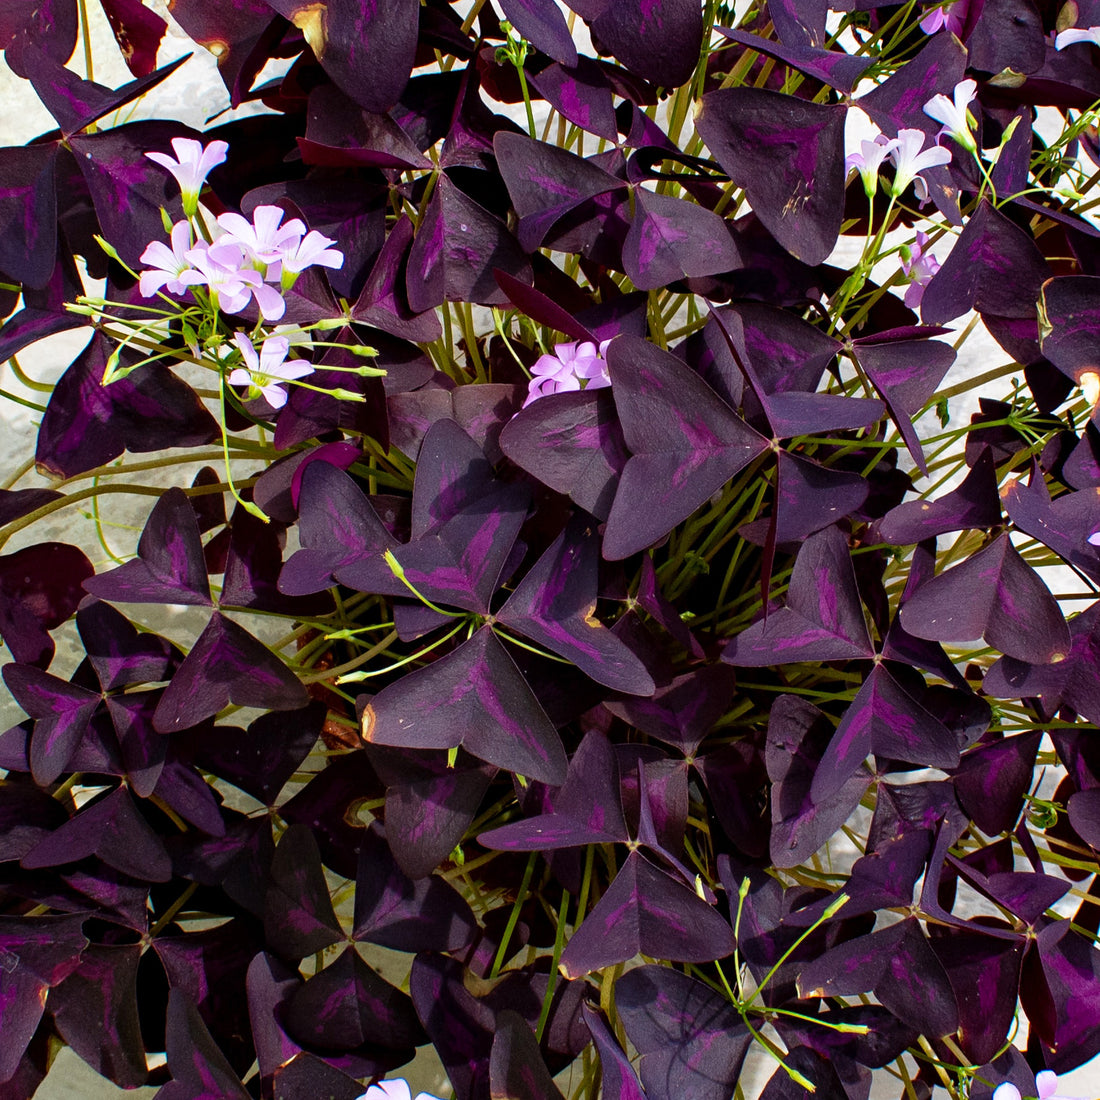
{"points": [[574, 366], [250, 261]]}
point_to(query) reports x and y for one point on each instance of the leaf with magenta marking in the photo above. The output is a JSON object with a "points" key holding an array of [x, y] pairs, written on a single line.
{"points": [[823, 617], [555, 603], [475, 697], [691, 1040], [649, 911], [788, 155], [994, 595], [685, 444], [226, 665], [886, 720]]}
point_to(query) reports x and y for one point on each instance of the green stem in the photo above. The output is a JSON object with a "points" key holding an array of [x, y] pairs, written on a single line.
{"points": [[513, 917]]}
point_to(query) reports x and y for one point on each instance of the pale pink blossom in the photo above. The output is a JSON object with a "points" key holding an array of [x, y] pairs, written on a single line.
{"points": [[1094, 538], [296, 256], [911, 158], [1077, 34], [263, 372], [1046, 1081], [264, 238], [953, 114], [571, 367], [868, 161], [191, 165], [919, 266], [949, 16], [393, 1090], [168, 264]]}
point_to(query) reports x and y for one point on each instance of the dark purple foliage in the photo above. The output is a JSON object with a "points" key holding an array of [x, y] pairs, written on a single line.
{"points": [[658, 659]]}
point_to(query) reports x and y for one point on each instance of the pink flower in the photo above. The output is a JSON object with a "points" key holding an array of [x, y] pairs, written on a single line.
{"points": [[262, 373], [393, 1090], [952, 16], [168, 263], [231, 285], [1046, 1081], [868, 161], [264, 238], [919, 267], [572, 367], [193, 162], [1076, 34], [1094, 538], [953, 114], [909, 161], [312, 249]]}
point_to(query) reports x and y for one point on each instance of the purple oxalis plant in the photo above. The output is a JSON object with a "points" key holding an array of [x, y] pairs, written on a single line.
{"points": [[630, 644]]}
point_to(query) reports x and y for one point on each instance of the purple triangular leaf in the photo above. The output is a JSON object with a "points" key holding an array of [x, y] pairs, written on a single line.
{"points": [[298, 915], [262, 760], [96, 1012], [691, 1040], [1074, 681], [587, 809], [885, 720], [403, 914], [788, 155], [516, 1067], [120, 654], [226, 665], [195, 1061], [657, 39], [542, 23], [798, 734], [475, 697], [581, 93], [459, 562], [618, 1080], [994, 267], [554, 606], [383, 301], [646, 910], [112, 829], [62, 710], [366, 51], [429, 805], [337, 528], [38, 953], [671, 238], [573, 443], [975, 503], [545, 183], [87, 424], [993, 595], [170, 567], [686, 443], [456, 248], [823, 619], [347, 1005]]}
